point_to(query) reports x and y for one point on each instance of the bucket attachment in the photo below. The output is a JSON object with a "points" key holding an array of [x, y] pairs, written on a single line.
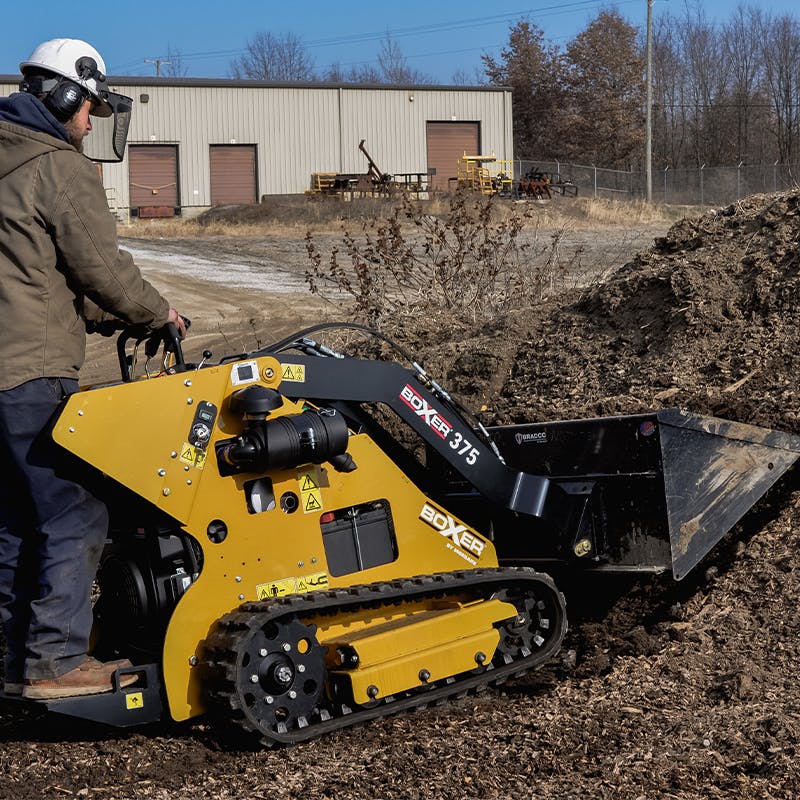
{"points": [[648, 492]]}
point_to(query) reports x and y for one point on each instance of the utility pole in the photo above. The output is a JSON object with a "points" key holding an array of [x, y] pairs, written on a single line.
{"points": [[648, 148], [158, 62]]}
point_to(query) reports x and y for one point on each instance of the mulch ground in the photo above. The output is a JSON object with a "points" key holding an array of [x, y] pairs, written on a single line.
{"points": [[663, 689]]}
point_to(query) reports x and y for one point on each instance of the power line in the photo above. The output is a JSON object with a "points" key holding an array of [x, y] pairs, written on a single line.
{"points": [[418, 30]]}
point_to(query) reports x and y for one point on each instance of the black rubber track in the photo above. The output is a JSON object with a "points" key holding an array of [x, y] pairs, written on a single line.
{"points": [[226, 645]]}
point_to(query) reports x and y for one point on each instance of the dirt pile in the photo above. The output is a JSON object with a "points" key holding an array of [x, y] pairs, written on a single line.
{"points": [[669, 691], [708, 319]]}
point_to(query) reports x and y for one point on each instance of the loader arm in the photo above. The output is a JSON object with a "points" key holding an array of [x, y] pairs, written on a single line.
{"points": [[433, 418]]}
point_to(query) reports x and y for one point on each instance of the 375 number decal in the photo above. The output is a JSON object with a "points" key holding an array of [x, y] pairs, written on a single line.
{"points": [[464, 447]]}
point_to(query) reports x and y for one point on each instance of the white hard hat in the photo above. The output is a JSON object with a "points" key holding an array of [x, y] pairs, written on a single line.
{"points": [[77, 61]]}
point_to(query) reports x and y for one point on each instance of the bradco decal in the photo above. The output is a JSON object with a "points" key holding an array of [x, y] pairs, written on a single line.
{"points": [[458, 534], [535, 436]]}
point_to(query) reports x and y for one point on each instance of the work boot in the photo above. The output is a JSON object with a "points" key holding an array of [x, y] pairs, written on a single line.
{"points": [[91, 677]]}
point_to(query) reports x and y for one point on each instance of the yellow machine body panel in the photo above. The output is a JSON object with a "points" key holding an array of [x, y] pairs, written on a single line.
{"points": [[412, 649], [140, 435], [137, 433]]}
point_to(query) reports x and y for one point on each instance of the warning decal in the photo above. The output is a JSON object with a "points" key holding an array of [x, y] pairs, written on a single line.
{"points": [[264, 591], [134, 700], [311, 502], [307, 482], [306, 583], [310, 494], [193, 456], [293, 372], [319, 580]]}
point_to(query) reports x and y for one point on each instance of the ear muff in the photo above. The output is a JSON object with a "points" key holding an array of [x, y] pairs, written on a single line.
{"points": [[62, 96], [65, 99]]}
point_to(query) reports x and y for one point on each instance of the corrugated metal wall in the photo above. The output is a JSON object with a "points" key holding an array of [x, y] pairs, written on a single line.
{"points": [[297, 129]]}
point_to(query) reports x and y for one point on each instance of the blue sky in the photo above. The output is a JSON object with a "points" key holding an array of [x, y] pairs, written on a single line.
{"points": [[437, 38]]}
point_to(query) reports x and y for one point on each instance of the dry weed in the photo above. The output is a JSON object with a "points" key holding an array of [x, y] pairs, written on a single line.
{"points": [[469, 260], [294, 215]]}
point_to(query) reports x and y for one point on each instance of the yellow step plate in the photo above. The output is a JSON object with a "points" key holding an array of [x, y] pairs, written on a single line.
{"points": [[427, 646]]}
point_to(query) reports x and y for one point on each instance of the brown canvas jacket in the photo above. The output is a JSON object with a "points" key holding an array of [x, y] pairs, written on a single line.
{"points": [[58, 248]]}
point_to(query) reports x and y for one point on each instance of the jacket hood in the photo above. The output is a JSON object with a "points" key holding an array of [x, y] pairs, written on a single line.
{"points": [[28, 111], [27, 130]]}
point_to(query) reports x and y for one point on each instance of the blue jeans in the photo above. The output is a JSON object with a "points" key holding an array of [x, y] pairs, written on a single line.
{"points": [[52, 532]]}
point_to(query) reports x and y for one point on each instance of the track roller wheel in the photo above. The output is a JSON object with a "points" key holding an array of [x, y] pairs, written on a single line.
{"points": [[277, 668], [538, 618]]}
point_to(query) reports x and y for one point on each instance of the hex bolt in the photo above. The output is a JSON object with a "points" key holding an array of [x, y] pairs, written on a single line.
{"points": [[194, 661], [284, 674], [292, 694], [166, 492], [424, 675], [269, 373], [372, 690], [254, 679], [480, 657], [301, 667], [263, 652], [269, 699], [286, 647]]}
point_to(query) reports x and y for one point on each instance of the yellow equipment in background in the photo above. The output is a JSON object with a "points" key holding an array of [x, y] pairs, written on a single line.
{"points": [[485, 174]]}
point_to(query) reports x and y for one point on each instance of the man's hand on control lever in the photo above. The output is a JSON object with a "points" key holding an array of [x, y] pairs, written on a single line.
{"points": [[178, 321]]}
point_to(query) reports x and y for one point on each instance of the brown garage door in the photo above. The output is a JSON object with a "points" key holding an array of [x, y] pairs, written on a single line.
{"points": [[233, 174], [153, 170], [447, 142]]}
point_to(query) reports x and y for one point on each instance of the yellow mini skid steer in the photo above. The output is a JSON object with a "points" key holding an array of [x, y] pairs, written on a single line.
{"points": [[280, 556]]}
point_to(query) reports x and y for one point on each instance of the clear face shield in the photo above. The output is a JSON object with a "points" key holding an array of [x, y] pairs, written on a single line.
{"points": [[110, 124]]}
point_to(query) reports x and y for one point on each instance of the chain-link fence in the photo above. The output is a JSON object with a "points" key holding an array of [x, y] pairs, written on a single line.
{"points": [[703, 186]]}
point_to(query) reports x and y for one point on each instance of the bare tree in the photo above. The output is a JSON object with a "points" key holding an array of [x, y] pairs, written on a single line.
{"points": [[174, 66], [274, 58], [357, 74], [669, 84], [729, 93], [710, 74], [781, 53], [742, 41], [463, 78], [393, 65]]}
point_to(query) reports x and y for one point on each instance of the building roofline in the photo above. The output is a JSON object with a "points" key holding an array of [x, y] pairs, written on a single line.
{"points": [[235, 83]]}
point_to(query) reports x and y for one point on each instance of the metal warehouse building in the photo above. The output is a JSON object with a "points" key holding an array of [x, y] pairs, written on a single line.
{"points": [[194, 143]]}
